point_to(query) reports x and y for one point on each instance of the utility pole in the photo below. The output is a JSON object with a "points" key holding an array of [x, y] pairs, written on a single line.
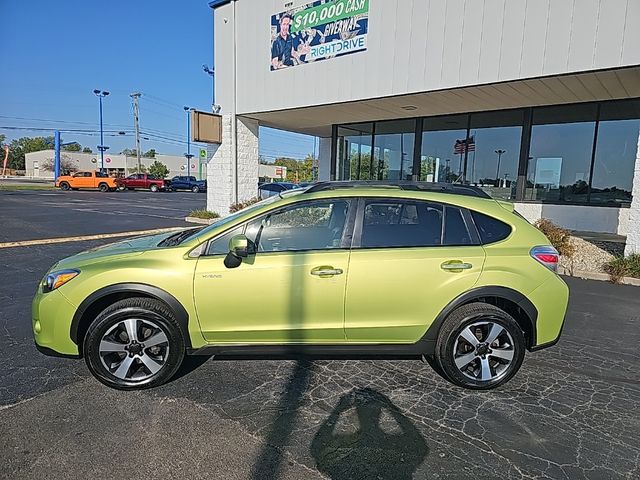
{"points": [[136, 120]]}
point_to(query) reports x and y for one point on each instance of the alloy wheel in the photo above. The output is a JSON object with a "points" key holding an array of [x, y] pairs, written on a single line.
{"points": [[134, 349], [484, 351]]}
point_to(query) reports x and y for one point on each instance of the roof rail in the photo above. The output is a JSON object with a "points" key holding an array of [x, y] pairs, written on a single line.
{"points": [[452, 188]]}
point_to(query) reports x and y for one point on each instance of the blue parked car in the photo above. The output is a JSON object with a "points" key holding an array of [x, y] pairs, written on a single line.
{"points": [[188, 183]]}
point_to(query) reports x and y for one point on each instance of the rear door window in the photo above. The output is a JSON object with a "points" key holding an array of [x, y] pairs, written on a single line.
{"points": [[491, 229]]}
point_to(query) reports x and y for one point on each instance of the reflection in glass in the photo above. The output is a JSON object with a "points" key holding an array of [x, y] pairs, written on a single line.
{"points": [[393, 151], [354, 152], [493, 165], [616, 151], [560, 154], [438, 162]]}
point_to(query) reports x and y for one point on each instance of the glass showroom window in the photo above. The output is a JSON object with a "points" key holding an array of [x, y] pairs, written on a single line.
{"points": [[355, 161], [616, 151], [440, 161], [393, 149], [560, 153], [493, 158]]}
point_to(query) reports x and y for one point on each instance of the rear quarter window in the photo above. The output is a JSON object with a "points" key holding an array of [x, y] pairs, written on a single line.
{"points": [[491, 229]]}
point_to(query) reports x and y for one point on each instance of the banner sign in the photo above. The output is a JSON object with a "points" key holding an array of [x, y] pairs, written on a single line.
{"points": [[317, 31]]}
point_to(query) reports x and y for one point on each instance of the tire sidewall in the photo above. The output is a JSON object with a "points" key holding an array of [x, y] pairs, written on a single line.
{"points": [[65, 186], [103, 187], [447, 342], [105, 321]]}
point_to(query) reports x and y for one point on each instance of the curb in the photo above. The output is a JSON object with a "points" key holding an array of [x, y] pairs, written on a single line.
{"points": [[202, 221], [603, 277]]}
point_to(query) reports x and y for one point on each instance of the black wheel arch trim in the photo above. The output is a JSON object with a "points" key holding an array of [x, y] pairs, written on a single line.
{"points": [[176, 307], [478, 293]]}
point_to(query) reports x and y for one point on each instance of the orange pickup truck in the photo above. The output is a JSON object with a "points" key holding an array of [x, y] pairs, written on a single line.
{"points": [[87, 179]]}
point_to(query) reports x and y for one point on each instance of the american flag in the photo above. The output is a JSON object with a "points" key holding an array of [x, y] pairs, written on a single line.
{"points": [[468, 144]]}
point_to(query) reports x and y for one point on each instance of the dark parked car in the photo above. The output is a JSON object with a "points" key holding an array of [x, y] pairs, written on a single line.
{"points": [[188, 183], [267, 190], [142, 181]]}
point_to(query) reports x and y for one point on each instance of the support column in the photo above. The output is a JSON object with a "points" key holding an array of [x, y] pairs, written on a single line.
{"points": [[633, 232], [324, 159], [232, 169]]}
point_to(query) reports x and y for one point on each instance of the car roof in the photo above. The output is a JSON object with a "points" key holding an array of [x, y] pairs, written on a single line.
{"points": [[450, 188]]}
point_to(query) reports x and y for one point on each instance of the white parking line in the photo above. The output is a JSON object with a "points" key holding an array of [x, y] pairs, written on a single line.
{"points": [[84, 238]]}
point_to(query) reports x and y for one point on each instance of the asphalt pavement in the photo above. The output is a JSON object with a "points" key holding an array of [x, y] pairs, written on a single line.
{"points": [[570, 413]]}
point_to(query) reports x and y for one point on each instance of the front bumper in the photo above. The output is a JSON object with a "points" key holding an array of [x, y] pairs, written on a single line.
{"points": [[51, 315]]}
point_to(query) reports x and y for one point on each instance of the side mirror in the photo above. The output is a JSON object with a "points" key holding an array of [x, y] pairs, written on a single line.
{"points": [[239, 247]]}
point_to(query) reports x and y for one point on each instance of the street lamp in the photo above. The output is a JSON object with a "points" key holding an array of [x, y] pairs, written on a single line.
{"points": [[189, 156], [499, 152], [100, 94]]}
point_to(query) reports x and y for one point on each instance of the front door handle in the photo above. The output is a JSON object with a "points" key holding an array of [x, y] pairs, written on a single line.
{"points": [[326, 271], [456, 266]]}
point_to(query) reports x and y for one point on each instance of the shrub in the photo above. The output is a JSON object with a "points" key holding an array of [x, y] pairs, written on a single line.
{"points": [[205, 214], [558, 236], [623, 267], [235, 207]]}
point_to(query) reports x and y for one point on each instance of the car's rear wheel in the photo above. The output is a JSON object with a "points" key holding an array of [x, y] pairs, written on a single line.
{"points": [[153, 188], [121, 188], [480, 346], [195, 189], [65, 186], [136, 343], [103, 187]]}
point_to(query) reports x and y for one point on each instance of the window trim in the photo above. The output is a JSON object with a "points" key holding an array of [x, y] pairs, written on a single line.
{"points": [[466, 216]]}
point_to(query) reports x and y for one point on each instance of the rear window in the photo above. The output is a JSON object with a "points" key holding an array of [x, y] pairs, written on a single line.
{"points": [[491, 230]]}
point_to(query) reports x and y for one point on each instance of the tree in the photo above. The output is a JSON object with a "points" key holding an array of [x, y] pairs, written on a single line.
{"points": [[297, 170], [87, 150], [72, 147], [143, 169], [158, 169], [129, 152], [21, 146], [150, 153]]}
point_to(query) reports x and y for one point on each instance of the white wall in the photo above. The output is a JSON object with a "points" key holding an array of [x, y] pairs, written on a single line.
{"points": [[579, 217], [423, 45]]}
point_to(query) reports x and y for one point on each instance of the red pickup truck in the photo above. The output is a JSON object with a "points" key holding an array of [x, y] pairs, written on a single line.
{"points": [[143, 181]]}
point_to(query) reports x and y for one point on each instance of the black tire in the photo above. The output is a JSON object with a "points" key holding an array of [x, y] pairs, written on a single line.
{"points": [[153, 187], [65, 186], [103, 187], [482, 318], [195, 189], [149, 315], [121, 188]]}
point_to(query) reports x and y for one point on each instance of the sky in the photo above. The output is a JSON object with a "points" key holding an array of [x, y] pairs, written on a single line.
{"points": [[53, 54]]}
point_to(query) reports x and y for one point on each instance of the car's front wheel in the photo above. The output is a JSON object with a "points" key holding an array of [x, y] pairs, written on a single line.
{"points": [[153, 187], [65, 186], [480, 346], [195, 189], [136, 343]]}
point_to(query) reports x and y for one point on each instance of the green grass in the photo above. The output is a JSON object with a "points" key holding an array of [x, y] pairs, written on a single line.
{"points": [[623, 267], [8, 187], [204, 214]]}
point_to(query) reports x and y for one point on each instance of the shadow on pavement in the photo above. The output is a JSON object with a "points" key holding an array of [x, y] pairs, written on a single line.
{"points": [[366, 436]]}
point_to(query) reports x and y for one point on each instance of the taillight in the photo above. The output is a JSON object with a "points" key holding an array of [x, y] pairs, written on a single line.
{"points": [[547, 256]]}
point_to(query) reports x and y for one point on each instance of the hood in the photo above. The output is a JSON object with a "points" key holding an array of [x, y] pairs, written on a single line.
{"points": [[130, 247]]}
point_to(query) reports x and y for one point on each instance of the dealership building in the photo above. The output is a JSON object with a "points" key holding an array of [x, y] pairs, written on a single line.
{"points": [[536, 101]]}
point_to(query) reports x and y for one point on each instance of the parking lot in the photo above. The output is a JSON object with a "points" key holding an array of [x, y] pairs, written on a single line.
{"points": [[570, 413]]}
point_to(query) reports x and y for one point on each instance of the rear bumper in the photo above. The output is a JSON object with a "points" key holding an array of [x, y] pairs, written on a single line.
{"points": [[551, 300]]}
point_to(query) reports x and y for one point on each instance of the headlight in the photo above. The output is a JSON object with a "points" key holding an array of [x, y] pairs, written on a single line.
{"points": [[55, 280]]}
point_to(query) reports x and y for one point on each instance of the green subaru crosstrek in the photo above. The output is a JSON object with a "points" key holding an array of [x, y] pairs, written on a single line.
{"points": [[436, 272]]}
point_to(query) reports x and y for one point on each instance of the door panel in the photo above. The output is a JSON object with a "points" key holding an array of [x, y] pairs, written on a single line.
{"points": [[394, 294], [272, 298]]}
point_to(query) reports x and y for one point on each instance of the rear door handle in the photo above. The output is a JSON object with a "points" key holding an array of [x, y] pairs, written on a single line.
{"points": [[326, 271], [456, 266]]}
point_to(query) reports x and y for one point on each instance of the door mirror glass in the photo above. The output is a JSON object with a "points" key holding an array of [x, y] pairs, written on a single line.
{"points": [[240, 246]]}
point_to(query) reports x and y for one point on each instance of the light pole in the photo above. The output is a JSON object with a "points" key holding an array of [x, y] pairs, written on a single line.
{"points": [[101, 94], [499, 152], [188, 154]]}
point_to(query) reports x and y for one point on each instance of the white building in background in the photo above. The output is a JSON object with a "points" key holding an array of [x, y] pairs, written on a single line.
{"points": [[40, 164], [433, 90]]}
